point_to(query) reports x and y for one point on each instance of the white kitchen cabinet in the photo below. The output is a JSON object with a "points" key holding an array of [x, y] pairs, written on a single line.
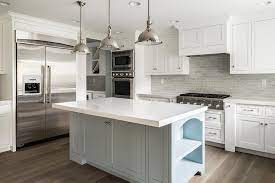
{"points": [[250, 133], [5, 127], [176, 65], [210, 39], [98, 146], [252, 45], [270, 136], [264, 46], [241, 49], [2, 70], [154, 60], [129, 149]]}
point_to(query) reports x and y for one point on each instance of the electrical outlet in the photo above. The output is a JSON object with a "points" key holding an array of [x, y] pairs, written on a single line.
{"points": [[264, 83]]}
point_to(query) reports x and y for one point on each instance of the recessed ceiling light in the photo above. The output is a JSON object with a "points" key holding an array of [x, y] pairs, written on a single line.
{"points": [[134, 3], [3, 3]]}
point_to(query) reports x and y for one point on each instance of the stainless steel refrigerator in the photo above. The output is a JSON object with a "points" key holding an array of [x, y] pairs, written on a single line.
{"points": [[46, 74]]}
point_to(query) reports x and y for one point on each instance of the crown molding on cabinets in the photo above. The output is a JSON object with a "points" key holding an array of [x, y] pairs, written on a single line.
{"points": [[42, 26]]}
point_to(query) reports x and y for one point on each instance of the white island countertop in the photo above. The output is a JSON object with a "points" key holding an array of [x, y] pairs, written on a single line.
{"points": [[150, 113]]}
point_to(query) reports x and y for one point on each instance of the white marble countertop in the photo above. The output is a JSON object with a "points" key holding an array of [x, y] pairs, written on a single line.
{"points": [[5, 102], [251, 100], [156, 114]]}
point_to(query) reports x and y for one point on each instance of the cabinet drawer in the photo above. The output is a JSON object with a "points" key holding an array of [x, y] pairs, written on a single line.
{"points": [[270, 112], [214, 135], [4, 109], [213, 118], [250, 110]]}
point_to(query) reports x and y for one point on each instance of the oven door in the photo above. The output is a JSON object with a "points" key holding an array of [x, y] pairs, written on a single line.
{"points": [[122, 63], [123, 88]]}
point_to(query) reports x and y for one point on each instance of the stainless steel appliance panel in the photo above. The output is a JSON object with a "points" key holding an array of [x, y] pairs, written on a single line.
{"points": [[30, 107], [61, 87], [122, 87]]}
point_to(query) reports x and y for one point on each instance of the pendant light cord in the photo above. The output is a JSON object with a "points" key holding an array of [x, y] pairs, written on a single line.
{"points": [[109, 13], [149, 23], [80, 4]]}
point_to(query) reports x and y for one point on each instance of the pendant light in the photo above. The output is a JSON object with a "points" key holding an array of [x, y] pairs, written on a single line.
{"points": [[109, 43], [148, 37], [81, 47]]}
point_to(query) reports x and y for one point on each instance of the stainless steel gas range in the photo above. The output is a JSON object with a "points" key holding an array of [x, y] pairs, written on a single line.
{"points": [[214, 122]]}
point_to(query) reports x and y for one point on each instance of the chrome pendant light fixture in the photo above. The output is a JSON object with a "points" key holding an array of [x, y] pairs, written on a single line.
{"points": [[148, 37], [81, 47], [109, 43]]}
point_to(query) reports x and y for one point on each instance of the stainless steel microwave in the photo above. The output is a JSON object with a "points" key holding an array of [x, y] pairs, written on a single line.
{"points": [[123, 61]]}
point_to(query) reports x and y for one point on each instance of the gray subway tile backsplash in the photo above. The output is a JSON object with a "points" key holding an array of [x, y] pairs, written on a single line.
{"points": [[211, 74]]}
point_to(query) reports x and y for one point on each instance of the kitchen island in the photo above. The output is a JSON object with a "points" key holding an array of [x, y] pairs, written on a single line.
{"points": [[139, 141]]}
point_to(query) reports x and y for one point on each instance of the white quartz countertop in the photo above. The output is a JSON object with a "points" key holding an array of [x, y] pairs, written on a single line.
{"points": [[251, 100], [156, 114]]}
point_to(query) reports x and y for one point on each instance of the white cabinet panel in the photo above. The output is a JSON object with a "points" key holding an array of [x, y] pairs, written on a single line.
{"points": [[1, 50], [98, 142], [264, 46], [270, 136], [241, 48], [191, 39], [250, 133], [129, 149], [213, 35], [4, 131]]}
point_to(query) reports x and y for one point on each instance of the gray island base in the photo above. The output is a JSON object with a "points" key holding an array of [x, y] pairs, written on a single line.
{"points": [[134, 151]]}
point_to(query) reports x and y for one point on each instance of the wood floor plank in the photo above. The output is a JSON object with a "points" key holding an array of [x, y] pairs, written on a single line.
{"points": [[49, 163]]}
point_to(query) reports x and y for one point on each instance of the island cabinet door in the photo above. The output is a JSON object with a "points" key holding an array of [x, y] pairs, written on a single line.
{"points": [[158, 155], [98, 141], [129, 149]]}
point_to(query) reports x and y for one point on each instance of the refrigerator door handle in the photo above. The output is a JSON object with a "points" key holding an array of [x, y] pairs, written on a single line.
{"points": [[43, 84], [49, 84]]}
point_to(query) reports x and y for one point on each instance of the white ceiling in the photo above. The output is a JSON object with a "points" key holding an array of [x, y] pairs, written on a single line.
{"points": [[126, 18]]}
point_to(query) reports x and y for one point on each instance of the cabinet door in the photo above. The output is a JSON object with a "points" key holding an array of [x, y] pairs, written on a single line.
{"points": [[154, 60], [191, 39], [4, 131], [241, 48], [158, 155], [98, 141], [129, 149], [250, 133], [1, 50], [270, 136], [213, 35], [264, 46]]}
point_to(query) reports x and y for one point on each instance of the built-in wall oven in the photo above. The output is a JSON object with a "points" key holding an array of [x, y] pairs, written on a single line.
{"points": [[123, 61], [122, 84]]}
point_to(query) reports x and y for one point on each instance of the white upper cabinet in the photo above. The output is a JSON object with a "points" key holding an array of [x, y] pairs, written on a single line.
{"points": [[164, 59], [264, 46], [241, 50], [204, 40], [253, 44], [1, 50]]}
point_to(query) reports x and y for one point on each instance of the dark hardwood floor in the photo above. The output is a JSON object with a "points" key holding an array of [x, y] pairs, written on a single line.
{"points": [[49, 163]]}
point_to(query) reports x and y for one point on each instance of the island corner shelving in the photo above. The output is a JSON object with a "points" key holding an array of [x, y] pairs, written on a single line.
{"points": [[144, 150]]}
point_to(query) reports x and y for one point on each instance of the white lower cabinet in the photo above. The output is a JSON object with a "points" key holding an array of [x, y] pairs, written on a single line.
{"points": [[256, 133], [250, 133], [5, 127], [270, 136], [98, 144], [129, 149]]}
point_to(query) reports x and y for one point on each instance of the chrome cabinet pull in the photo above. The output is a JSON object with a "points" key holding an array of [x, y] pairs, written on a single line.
{"points": [[212, 133]]}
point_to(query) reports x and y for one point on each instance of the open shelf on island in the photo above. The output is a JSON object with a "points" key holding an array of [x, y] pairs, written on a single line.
{"points": [[185, 147]]}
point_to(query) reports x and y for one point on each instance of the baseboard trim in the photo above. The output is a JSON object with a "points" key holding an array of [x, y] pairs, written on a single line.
{"points": [[5, 149], [214, 144], [257, 153]]}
